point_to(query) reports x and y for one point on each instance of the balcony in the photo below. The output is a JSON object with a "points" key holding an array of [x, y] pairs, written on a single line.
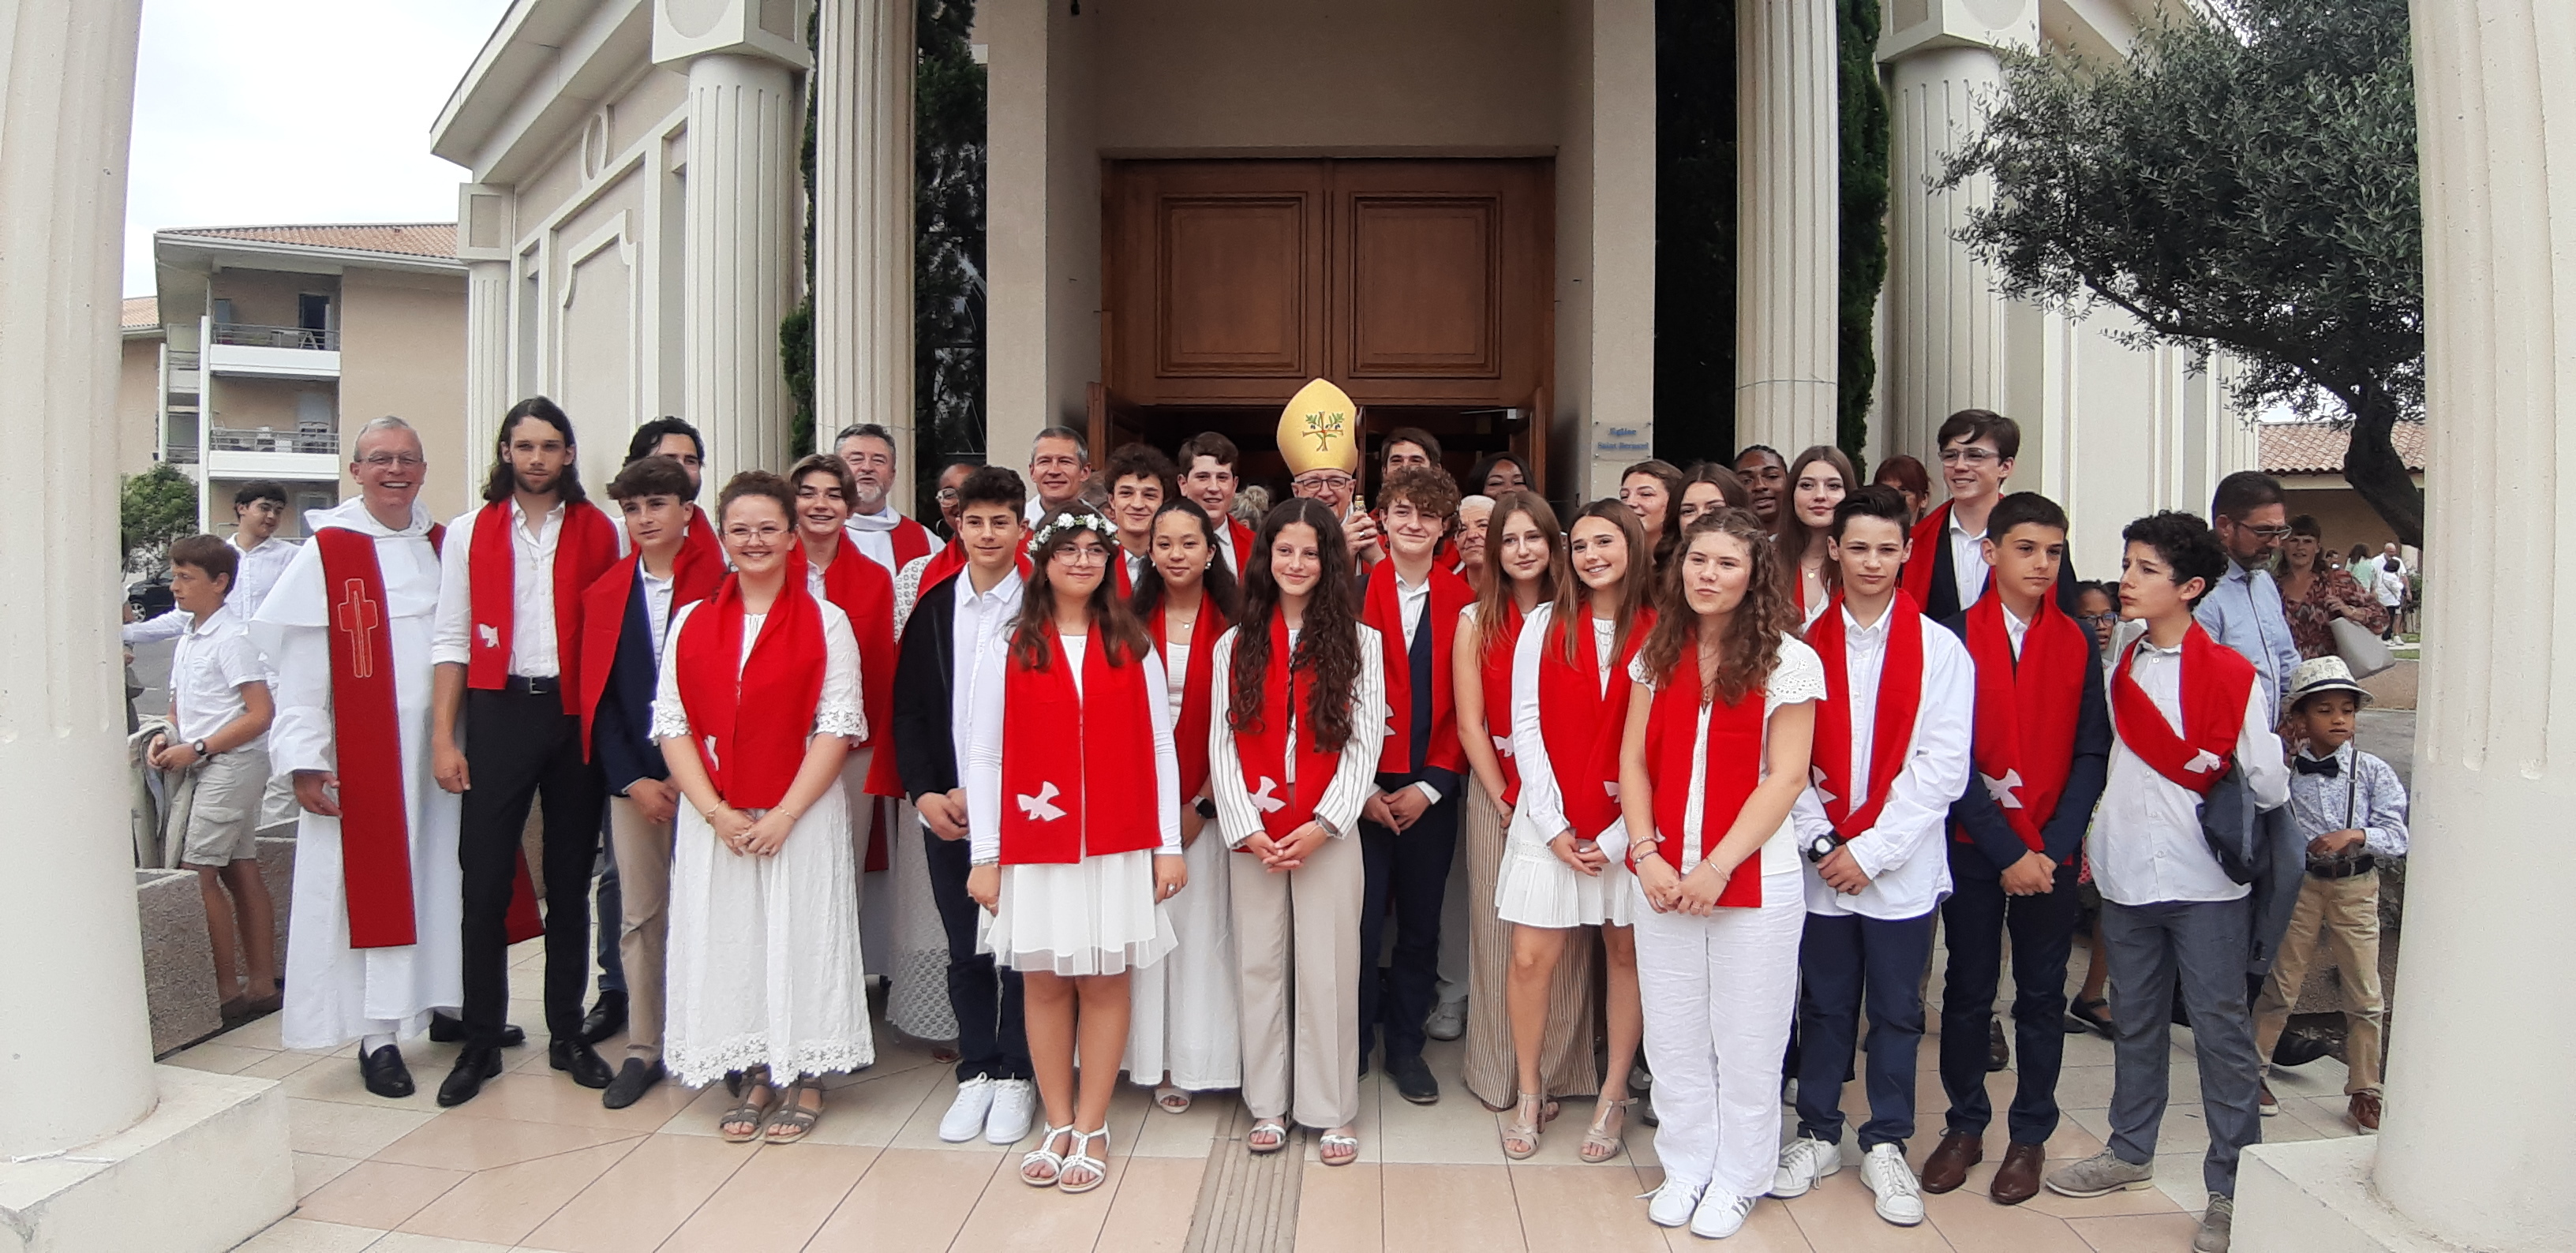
{"points": [[311, 454], [243, 348]]}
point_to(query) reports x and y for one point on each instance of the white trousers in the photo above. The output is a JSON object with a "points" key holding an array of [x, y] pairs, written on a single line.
{"points": [[1719, 993]]}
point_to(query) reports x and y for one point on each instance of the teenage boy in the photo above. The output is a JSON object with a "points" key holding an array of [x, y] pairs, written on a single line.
{"points": [[2350, 810], [2185, 713], [2041, 743], [1892, 744], [258, 557], [511, 578], [626, 614], [1208, 476], [1140, 480], [957, 620], [1947, 571], [1059, 469], [881, 531], [220, 709], [674, 440], [2250, 517], [1409, 826]]}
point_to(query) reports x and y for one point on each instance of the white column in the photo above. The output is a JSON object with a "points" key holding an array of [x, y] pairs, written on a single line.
{"points": [[740, 257], [1946, 332], [2496, 95], [75, 1039], [863, 230], [1788, 223], [487, 362]]}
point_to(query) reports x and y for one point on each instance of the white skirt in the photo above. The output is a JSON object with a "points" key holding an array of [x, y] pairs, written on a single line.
{"points": [[1097, 916], [1535, 889], [1184, 1017]]}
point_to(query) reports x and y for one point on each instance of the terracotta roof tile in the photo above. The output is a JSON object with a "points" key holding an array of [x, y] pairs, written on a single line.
{"points": [[2318, 447], [411, 239], [140, 311]]}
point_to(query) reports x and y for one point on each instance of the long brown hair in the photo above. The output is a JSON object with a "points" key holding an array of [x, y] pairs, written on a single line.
{"points": [[1751, 649], [1494, 588], [1635, 589], [1218, 584], [1328, 644], [1794, 534], [1670, 476], [1114, 626]]}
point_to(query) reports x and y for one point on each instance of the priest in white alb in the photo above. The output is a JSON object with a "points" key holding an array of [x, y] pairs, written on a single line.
{"points": [[373, 943]]}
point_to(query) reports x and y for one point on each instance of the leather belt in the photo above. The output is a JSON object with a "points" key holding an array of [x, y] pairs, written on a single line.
{"points": [[2340, 868]]}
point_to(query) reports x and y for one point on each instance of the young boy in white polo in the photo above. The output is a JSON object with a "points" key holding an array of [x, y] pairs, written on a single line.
{"points": [[2351, 810]]}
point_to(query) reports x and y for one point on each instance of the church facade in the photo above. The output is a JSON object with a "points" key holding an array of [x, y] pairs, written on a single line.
{"points": [[1193, 206]]}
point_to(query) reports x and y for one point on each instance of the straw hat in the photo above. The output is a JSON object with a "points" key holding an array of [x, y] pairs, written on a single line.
{"points": [[2324, 674]]}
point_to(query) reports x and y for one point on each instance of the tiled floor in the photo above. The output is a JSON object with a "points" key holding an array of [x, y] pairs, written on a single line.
{"points": [[535, 1163]]}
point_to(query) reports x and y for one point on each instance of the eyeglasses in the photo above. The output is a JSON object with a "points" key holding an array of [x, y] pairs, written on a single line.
{"points": [[2097, 619], [1081, 556], [1970, 456], [1322, 482], [947, 496], [2266, 532], [744, 534], [392, 460]]}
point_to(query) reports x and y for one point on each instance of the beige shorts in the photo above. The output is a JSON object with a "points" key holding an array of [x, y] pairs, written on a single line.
{"points": [[223, 820]]}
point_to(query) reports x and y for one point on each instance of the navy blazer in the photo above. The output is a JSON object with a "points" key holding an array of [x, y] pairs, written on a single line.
{"points": [[1419, 660], [1943, 604], [1992, 843], [622, 735]]}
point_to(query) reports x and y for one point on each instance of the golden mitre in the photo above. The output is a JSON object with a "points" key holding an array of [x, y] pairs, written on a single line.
{"points": [[1319, 430]]}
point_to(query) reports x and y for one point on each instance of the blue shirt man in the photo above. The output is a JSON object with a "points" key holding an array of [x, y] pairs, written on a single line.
{"points": [[2244, 613]]}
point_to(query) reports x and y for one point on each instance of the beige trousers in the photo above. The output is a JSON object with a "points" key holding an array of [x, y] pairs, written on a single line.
{"points": [[644, 887], [2341, 915], [1297, 937]]}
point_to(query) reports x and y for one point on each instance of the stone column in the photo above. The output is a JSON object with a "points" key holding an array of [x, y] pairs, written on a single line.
{"points": [[863, 232], [1789, 223], [76, 1039], [487, 362], [2496, 95], [740, 256]]}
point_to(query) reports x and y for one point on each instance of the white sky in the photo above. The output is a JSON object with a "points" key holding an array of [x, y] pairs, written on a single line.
{"points": [[259, 112]]}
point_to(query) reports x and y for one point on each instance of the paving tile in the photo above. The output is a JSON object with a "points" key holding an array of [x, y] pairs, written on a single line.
{"points": [[1450, 1207], [2138, 1233], [1152, 1210], [278, 1065], [1968, 1220], [217, 1058], [1340, 1208], [258, 1033], [338, 1079], [347, 1130], [1582, 1209], [908, 1199], [642, 1199], [1014, 1215], [298, 1235], [405, 1242], [1189, 1133], [1457, 1130], [503, 1204], [378, 1194], [873, 1108], [312, 1170], [487, 1143], [776, 1201], [1839, 1214]]}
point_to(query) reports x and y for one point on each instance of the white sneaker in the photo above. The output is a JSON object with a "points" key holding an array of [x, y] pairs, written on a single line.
{"points": [[965, 1117], [1448, 1020], [1015, 1104], [1805, 1161], [1884, 1172], [1720, 1214], [1672, 1204]]}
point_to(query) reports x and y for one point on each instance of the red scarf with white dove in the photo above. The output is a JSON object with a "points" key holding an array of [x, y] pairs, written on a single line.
{"points": [[2215, 682], [584, 549], [1072, 784], [1501, 641], [1262, 750], [2027, 708], [1852, 806]]}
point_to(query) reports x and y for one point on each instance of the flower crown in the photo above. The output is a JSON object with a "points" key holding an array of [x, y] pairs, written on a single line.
{"points": [[1074, 522]]}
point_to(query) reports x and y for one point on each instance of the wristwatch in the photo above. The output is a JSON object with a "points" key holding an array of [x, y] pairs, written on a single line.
{"points": [[1821, 847], [1206, 807], [1330, 827], [200, 746]]}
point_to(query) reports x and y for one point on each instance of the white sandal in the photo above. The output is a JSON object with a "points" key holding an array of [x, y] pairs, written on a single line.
{"points": [[1270, 1126], [1045, 1155], [1171, 1099], [1081, 1159], [1330, 1140]]}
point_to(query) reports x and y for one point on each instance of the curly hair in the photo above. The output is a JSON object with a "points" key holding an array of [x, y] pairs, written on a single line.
{"points": [[757, 483], [1328, 644], [1750, 649], [1635, 589], [1428, 488], [1494, 588], [1114, 626], [1218, 583], [2185, 543]]}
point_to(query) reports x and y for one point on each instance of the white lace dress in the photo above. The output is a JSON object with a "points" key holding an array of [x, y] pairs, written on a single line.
{"points": [[1182, 1017], [764, 962]]}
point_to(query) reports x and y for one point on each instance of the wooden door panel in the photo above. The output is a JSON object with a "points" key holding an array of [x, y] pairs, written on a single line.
{"points": [[1426, 277], [1233, 287]]}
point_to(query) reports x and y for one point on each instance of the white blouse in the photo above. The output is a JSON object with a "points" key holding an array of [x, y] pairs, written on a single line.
{"points": [[837, 713], [1797, 679]]}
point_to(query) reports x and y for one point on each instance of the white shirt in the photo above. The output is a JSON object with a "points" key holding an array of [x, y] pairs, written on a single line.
{"points": [[1796, 679], [1354, 778], [1135, 565], [1541, 798], [982, 766], [207, 670], [255, 570], [2146, 844], [532, 591], [2015, 629], [657, 604], [1225, 544], [1967, 561], [1411, 600], [983, 625], [1901, 852]]}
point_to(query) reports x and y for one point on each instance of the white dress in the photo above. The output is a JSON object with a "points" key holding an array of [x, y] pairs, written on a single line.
{"points": [[764, 961], [1183, 1017], [1096, 916], [1535, 888]]}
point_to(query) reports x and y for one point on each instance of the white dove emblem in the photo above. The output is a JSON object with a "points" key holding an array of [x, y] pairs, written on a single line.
{"points": [[2205, 761], [1267, 796], [491, 636], [711, 753], [2002, 789], [1040, 806], [1503, 745], [1611, 786], [1816, 780]]}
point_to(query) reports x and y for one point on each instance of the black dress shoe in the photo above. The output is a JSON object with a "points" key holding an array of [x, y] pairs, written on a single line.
{"points": [[581, 1061], [1413, 1081], [606, 1018], [464, 1083], [633, 1080], [1998, 1051], [385, 1073], [446, 1030]]}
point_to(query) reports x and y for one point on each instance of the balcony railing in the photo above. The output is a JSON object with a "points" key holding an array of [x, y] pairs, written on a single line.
{"points": [[226, 439], [183, 363], [249, 335], [180, 454]]}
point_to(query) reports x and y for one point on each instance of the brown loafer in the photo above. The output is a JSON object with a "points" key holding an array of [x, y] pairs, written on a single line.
{"points": [[1947, 1168], [2365, 1110], [2017, 1180]]}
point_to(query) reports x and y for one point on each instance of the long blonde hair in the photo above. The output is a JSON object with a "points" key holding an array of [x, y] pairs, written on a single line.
{"points": [[1494, 598]]}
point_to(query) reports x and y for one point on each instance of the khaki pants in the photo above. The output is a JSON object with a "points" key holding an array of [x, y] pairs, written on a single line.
{"points": [[644, 885], [1297, 936], [2343, 915]]}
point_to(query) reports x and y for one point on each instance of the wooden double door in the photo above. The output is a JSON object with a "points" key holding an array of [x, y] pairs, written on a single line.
{"points": [[1421, 287]]}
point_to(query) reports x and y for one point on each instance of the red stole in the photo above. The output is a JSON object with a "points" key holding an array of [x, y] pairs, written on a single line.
{"points": [[603, 620], [912, 542], [1733, 770], [865, 592], [1384, 610], [1242, 539], [1582, 725], [1500, 642], [1197, 684], [1262, 751], [584, 547], [1930, 539], [950, 559], [1118, 568], [701, 563], [1074, 754], [750, 719], [2215, 683], [2026, 710], [1900, 697]]}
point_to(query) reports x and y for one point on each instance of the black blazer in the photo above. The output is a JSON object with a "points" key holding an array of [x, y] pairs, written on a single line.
{"points": [[925, 680], [1943, 604], [1992, 843], [622, 732]]}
